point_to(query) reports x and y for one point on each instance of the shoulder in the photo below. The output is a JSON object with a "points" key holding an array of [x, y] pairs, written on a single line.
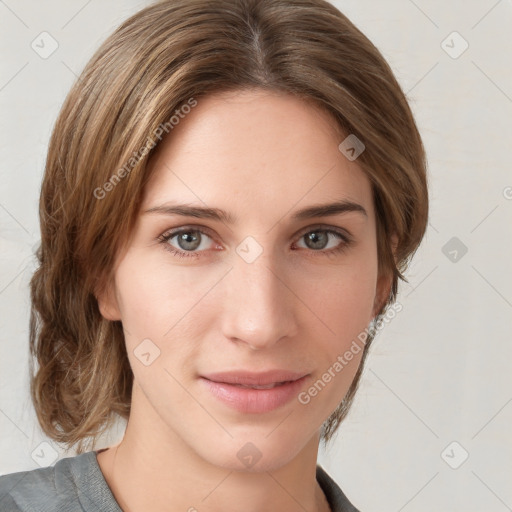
{"points": [[335, 496], [72, 484]]}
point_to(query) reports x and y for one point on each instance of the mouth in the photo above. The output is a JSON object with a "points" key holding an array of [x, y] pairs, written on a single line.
{"points": [[255, 392], [268, 386], [255, 379]]}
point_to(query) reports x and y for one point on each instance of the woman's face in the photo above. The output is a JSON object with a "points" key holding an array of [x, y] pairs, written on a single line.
{"points": [[253, 285]]}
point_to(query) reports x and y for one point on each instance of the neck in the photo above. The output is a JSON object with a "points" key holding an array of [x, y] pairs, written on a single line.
{"points": [[154, 470]]}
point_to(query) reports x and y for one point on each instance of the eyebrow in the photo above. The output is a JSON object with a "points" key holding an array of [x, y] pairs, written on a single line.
{"points": [[320, 210]]}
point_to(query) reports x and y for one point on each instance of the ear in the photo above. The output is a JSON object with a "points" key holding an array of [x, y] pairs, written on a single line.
{"points": [[384, 283], [107, 302]]}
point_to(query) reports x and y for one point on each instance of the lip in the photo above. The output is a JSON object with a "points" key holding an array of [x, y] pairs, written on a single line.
{"points": [[226, 387], [254, 378]]}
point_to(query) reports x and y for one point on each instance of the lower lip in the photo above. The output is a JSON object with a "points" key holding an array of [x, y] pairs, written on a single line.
{"points": [[249, 400]]}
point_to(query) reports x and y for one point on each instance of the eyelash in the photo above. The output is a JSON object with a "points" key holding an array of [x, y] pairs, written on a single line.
{"points": [[346, 241]]}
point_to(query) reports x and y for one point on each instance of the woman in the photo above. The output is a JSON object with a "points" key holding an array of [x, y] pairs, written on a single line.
{"points": [[232, 191]]}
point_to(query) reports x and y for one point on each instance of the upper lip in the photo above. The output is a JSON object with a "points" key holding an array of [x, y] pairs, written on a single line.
{"points": [[254, 378]]}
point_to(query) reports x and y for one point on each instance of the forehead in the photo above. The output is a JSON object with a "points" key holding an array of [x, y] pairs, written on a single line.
{"points": [[255, 151]]}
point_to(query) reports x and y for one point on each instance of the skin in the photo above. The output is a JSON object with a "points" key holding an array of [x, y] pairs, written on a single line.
{"points": [[260, 156]]}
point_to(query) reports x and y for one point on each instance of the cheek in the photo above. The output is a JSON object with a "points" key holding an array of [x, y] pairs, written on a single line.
{"points": [[154, 295], [141, 297], [342, 299], [163, 302], [151, 291], [344, 306], [342, 296]]}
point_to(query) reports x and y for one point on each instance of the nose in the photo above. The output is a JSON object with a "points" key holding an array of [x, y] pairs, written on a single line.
{"points": [[260, 306]]}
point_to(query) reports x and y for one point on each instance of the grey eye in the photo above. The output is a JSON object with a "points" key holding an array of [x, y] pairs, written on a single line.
{"points": [[316, 239]]}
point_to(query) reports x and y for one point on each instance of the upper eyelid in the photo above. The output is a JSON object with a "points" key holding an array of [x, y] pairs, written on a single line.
{"points": [[323, 227], [171, 233]]}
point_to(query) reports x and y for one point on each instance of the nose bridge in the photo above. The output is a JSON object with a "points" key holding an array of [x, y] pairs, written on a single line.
{"points": [[259, 306]]}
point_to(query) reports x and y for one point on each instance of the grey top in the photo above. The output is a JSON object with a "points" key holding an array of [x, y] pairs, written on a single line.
{"points": [[76, 484]]}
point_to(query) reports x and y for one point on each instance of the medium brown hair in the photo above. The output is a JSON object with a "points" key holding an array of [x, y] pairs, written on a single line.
{"points": [[155, 62]]}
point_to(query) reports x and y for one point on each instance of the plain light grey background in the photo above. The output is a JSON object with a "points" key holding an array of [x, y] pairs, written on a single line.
{"points": [[428, 427]]}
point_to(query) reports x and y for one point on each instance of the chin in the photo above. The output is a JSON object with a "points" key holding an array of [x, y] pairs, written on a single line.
{"points": [[255, 451]]}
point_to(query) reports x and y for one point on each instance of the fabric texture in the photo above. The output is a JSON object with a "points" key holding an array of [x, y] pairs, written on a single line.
{"points": [[76, 484]]}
